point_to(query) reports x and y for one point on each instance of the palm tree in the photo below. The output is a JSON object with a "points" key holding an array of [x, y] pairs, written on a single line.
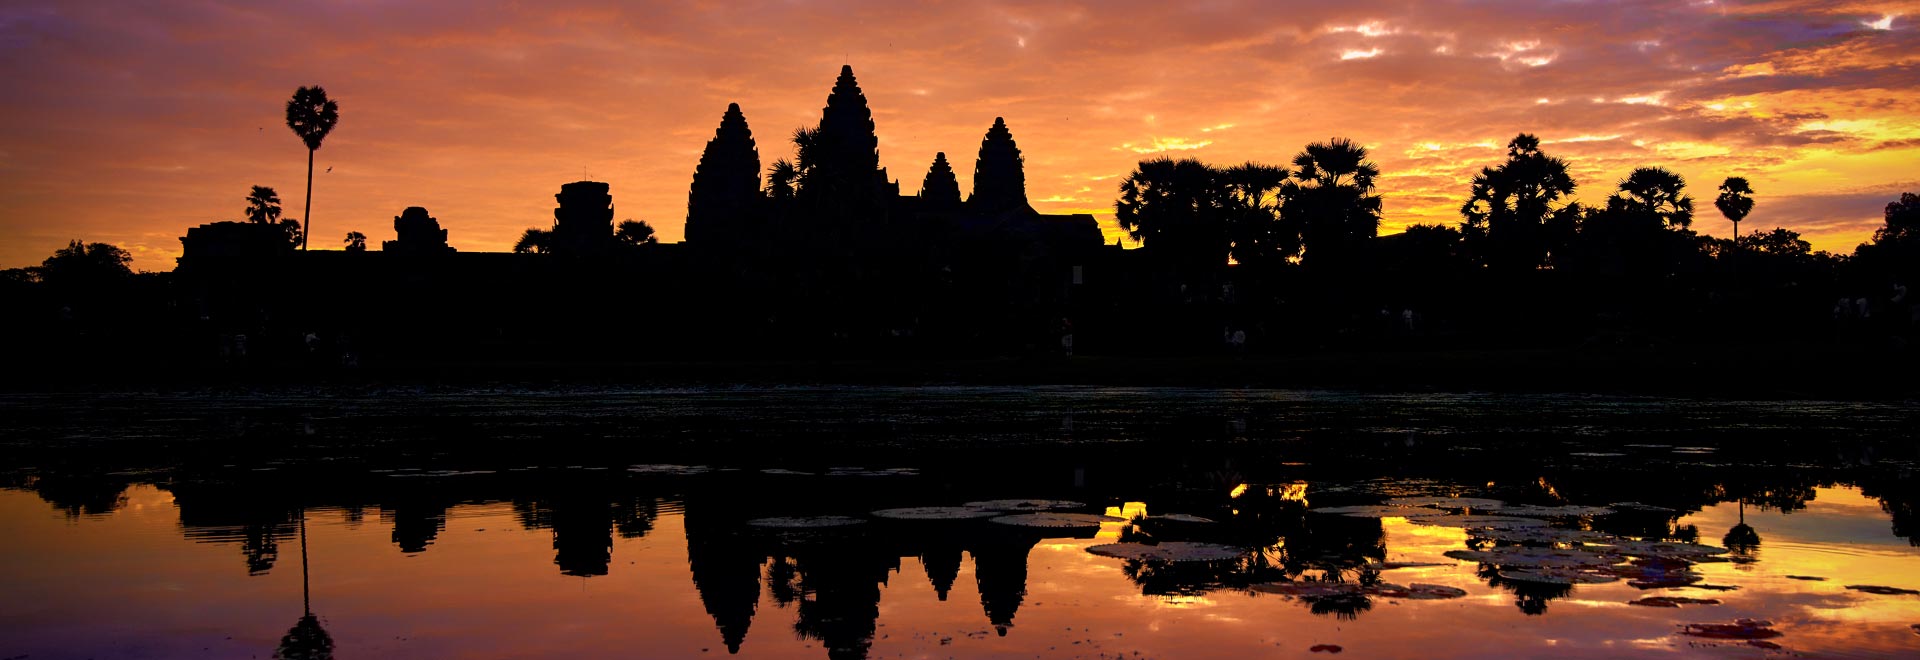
{"points": [[1253, 213], [311, 115], [1735, 202], [1655, 193], [1331, 199], [1508, 207], [782, 178], [356, 242], [1176, 208], [635, 233], [263, 206], [534, 241]]}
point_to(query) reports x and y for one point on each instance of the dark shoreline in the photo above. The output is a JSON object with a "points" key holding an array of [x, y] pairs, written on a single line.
{"points": [[1726, 371]]}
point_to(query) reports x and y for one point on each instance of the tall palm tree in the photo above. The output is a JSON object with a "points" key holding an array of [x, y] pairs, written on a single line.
{"points": [[311, 115], [1175, 208], [1735, 202], [1331, 199], [1253, 213]]}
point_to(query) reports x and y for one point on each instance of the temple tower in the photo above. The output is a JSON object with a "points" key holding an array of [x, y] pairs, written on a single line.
{"points": [[726, 183], [999, 176]]}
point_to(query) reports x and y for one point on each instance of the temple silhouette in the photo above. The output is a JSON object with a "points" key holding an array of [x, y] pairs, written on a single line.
{"points": [[823, 256]]}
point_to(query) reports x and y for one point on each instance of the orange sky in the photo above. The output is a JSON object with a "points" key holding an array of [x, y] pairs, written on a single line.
{"points": [[128, 124]]}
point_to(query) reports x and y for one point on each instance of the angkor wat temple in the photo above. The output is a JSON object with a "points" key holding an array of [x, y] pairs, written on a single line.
{"points": [[823, 254]]}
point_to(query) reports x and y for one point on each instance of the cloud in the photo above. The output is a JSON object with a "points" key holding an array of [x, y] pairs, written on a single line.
{"points": [[128, 122]]}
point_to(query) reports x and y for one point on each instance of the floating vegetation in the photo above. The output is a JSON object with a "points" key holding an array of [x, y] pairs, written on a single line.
{"points": [[1883, 591], [1809, 578], [1026, 505], [1540, 535], [877, 472], [1521, 556], [1672, 601], [936, 513], [1491, 522], [1739, 629], [1447, 502], [1665, 550], [1377, 511], [1314, 590], [1563, 511], [1596, 454], [1325, 648], [806, 522], [1170, 551], [786, 472], [681, 470], [1396, 565], [1179, 518], [1558, 576], [1056, 520], [1415, 591], [1636, 506]]}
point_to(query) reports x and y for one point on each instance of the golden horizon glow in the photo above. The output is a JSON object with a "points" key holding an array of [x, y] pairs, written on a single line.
{"points": [[129, 124]]}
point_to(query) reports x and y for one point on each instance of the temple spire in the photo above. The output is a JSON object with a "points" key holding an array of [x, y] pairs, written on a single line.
{"points": [[999, 176], [940, 190], [726, 183]]}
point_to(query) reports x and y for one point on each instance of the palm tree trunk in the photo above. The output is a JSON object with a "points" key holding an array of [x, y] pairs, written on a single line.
{"points": [[306, 215], [306, 601]]}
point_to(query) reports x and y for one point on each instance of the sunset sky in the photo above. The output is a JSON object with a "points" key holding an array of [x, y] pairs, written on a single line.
{"points": [[130, 122]]}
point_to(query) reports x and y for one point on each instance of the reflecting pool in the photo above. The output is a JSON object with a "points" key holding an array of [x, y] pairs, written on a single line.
{"points": [[952, 522]]}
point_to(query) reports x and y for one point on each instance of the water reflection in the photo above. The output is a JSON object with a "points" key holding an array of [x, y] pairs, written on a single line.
{"points": [[648, 555]]}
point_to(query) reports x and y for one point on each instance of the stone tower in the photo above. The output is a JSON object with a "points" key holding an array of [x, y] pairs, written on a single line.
{"points": [[999, 176], [726, 183], [940, 191], [415, 232], [584, 220]]}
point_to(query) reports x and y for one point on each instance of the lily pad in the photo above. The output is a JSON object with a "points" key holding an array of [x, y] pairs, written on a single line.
{"points": [[1307, 590], [1563, 511], [1665, 550], [1171, 551], [1416, 591], [1026, 505], [1672, 601], [1541, 535], [1808, 578], [936, 513], [1378, 511], [1522, 557], [805, 522], [1882, 591], [1447, 502], [1739, 629], [1056, 520], [1180, 518], [1556, 576], [1636, 506], [1492, 522]]}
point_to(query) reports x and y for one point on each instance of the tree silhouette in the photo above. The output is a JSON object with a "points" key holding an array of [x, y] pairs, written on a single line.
{"points": [[783, 178], [1252, 210], [1509, 206], [1331, 197], [1655, 194], [638, 232], [1175, 208], [312, 116], [534, 241], [82, 265], [1903, 221], [356, 242], [1735, 202], [263, 207]]}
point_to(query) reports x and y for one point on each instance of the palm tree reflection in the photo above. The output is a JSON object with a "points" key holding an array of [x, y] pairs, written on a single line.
{"points": [[306, 640]]}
